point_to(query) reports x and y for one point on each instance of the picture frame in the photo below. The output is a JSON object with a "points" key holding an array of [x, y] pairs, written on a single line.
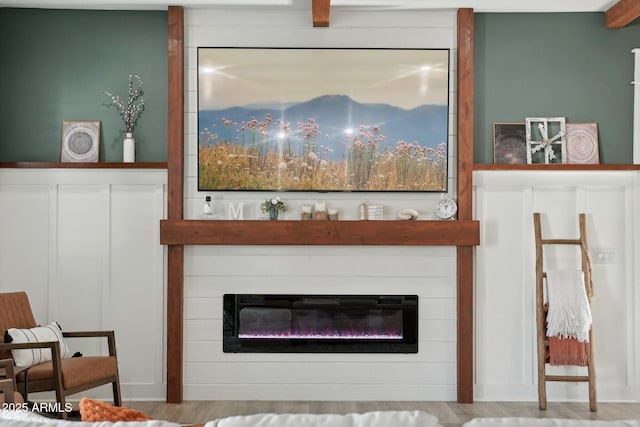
{"points": [[546, 140], [582, 143], [80, 141], [323, 119], [509, 143]]}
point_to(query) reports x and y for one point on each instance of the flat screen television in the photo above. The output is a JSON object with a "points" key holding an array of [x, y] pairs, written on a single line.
{"points": [[323, 120]]}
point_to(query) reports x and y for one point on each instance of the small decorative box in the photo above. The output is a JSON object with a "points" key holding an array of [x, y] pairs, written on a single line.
{"points": [[375, 212]]}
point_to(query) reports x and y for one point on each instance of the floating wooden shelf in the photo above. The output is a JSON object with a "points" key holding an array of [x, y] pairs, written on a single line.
{"points": [[554, 167], [258, 232], [91, 165]]}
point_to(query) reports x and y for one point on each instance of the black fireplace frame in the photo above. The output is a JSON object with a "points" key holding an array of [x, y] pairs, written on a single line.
{"points": [[408, 343]]}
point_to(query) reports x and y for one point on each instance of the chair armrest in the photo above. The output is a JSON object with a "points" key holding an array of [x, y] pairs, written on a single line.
{"points": [[53, 345], [7, 365], [109, 335], [7, 388], [84, 334]]}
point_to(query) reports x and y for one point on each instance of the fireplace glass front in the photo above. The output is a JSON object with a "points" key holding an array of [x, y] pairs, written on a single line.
{"points": [[269, 323]]}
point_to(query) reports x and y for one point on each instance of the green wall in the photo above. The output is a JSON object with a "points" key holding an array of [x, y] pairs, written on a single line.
{"points": [[554, 64], [56, 64]]}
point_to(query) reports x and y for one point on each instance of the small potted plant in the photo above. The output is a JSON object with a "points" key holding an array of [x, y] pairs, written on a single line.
{"points": [[273, 206]]}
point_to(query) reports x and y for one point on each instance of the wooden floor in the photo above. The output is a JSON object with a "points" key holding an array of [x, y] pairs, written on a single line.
{"points": [[450, 414]]}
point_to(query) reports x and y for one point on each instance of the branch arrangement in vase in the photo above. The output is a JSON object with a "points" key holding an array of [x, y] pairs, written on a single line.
{"points": [[132, 110]]}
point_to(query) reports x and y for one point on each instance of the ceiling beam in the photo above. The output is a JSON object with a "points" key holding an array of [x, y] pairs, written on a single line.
{"points": [[622, 13], [320, 10]]}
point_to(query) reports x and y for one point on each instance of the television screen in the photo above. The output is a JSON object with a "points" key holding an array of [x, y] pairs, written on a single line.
{"points": [[289, 119]]}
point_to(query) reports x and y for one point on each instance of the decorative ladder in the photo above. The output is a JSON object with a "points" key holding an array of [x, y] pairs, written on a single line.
{"points": [[543, 342]]}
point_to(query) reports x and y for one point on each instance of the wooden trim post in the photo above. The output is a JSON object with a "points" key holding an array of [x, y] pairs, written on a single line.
{"points": [[465, 30], [175, 197]]}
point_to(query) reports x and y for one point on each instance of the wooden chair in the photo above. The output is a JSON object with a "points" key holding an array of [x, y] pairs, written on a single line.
{"points": [[65, 376], [8, 393]]}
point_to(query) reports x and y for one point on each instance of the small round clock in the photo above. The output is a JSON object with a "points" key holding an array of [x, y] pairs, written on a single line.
{"points": [[446, 208]]}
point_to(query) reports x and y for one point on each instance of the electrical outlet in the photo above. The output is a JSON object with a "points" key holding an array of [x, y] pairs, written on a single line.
{"points": [[603, 256]]}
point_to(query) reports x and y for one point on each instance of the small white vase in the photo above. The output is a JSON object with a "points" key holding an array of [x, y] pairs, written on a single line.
{"points": [[129, 148]]}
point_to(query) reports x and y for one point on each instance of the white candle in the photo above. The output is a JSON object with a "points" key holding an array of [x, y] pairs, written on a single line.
{"points": [[306, 208], [332, 211], [320, 206]]}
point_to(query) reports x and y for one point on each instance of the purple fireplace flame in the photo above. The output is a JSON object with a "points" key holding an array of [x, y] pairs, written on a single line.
{"points": [[319, 323], [335, 334]]}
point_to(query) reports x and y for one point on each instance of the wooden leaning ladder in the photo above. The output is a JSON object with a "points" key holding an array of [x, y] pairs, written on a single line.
{"points": [[543, 342]]}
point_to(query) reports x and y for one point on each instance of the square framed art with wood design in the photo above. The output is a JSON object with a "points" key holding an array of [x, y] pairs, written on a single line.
{"points": [[509, 143], [582, 143]]}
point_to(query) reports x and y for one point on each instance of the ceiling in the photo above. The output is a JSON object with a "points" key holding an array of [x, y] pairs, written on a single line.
{"points": [[477, 5]]}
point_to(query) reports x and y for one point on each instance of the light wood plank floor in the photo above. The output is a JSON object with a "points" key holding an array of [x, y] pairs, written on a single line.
{"points": [[450, 414]]}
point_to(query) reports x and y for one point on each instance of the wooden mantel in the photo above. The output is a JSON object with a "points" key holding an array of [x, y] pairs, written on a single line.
{"points": [[176, 232], [413, 233]]}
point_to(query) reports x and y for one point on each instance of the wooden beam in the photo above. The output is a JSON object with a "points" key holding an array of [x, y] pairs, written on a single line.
{"points": [[465, 204], [405, 233], [175, 126], [175, 201], [320, 10], [622, 13]]}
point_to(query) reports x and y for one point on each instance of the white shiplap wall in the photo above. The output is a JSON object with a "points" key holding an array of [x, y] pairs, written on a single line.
{"points": [[211, 271]]}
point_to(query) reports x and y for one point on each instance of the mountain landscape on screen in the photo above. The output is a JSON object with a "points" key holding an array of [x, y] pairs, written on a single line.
{"points": [[329, 143]]}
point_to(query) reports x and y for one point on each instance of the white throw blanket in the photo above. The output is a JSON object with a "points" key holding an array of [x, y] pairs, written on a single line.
{"points": [[367, 419], [569, 313], [547, 422], [24, 418]]}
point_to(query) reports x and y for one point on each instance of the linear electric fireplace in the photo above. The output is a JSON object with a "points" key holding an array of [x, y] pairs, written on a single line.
{"points": [[269, 323]]}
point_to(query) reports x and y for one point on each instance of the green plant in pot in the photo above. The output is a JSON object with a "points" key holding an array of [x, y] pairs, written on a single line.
{"points": [[273, 205]]}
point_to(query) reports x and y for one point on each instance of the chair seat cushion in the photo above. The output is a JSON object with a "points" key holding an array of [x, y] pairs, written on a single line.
{"points": [[76, 371]]}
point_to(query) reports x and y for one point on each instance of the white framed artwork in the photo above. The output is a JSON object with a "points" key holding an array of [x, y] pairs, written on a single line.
{"points": [[546, 140], [80, 141]]}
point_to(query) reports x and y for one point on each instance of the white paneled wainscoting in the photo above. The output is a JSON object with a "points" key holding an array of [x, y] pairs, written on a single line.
{"points": [[84, 244], [505, 334]]}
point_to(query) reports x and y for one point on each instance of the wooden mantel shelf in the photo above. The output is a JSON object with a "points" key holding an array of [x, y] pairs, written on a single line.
{"points": [[83, 165], [554, 167], [259, 232]]}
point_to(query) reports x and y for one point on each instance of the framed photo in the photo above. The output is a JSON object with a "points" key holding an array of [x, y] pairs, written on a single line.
{"points": [[80, 141], [289, 119], [582, 143], [509, 143]]}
